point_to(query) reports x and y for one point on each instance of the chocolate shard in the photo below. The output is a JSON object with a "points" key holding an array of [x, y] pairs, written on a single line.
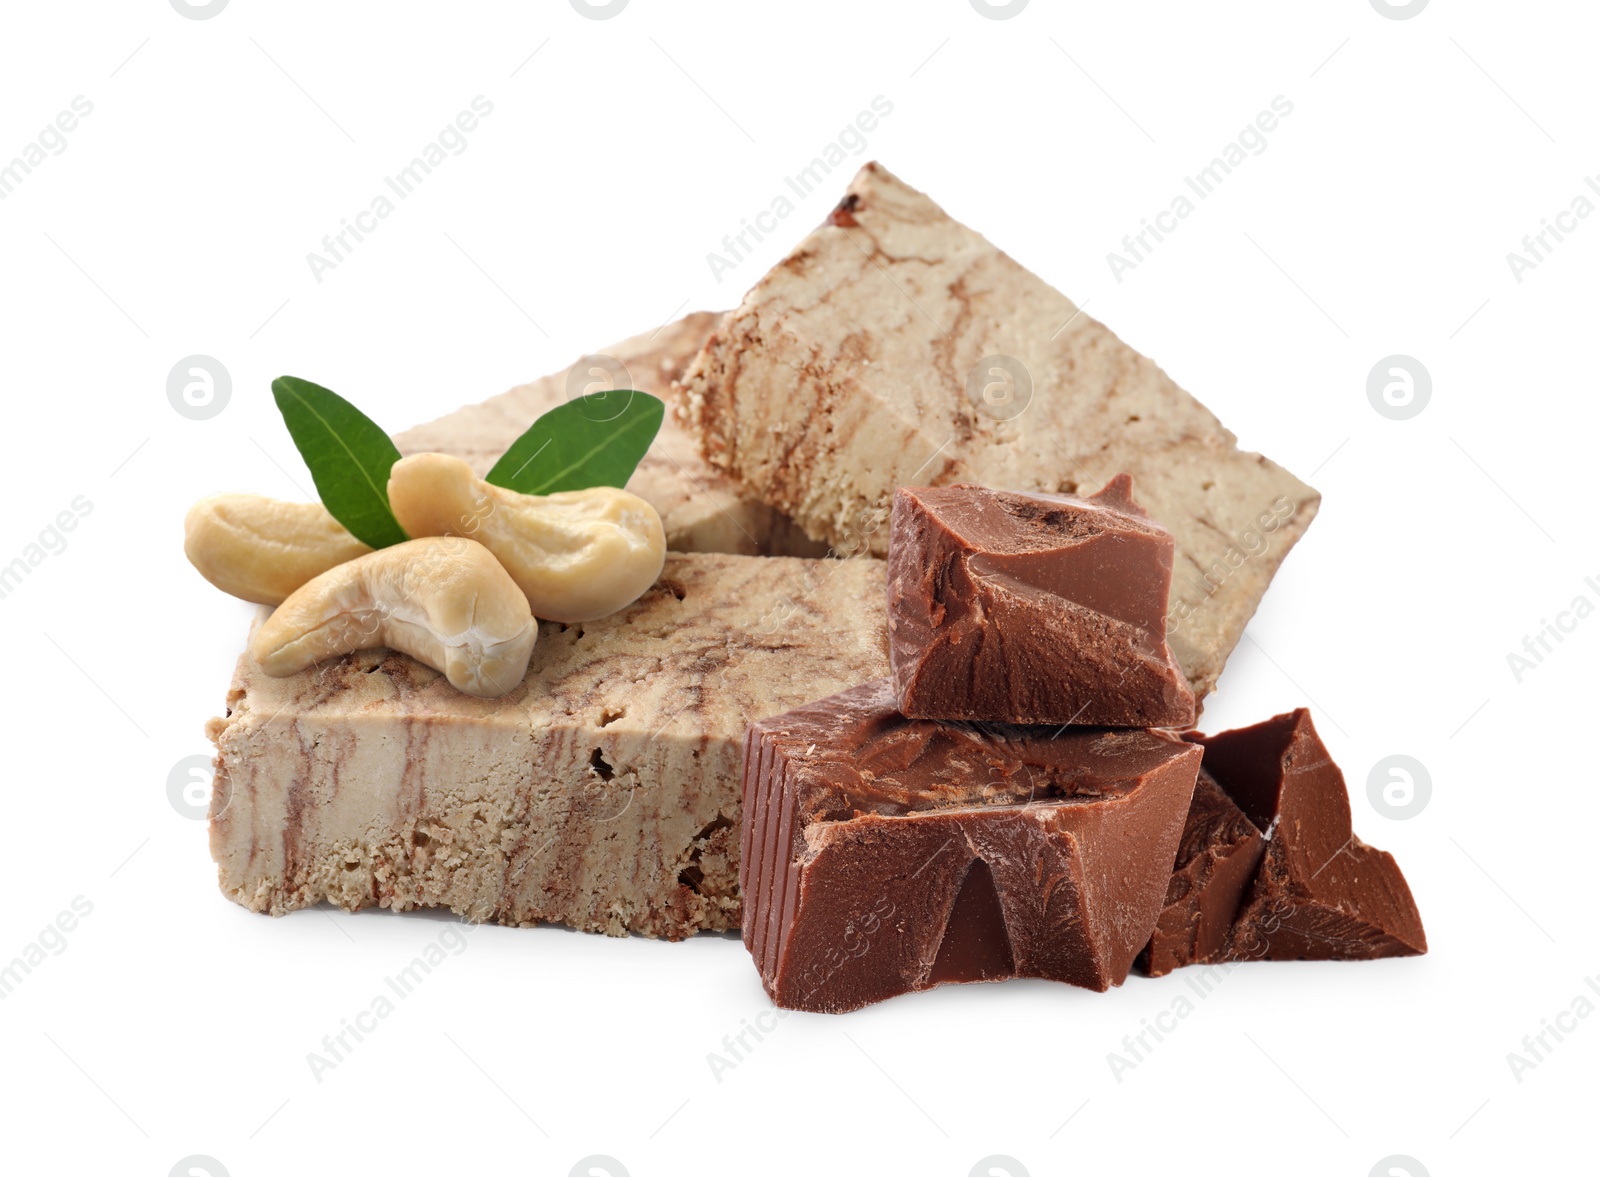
{"points": [[1320, 893], [1032, 608], [1217, 860], [883, 855]]}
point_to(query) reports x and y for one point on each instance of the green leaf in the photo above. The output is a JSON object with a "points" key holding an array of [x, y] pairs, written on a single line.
{"points": [[349, 457], [593, 440]]}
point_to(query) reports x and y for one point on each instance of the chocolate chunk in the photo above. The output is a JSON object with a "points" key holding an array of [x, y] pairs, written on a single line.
{"points": [[1217, 860], [883, 855], [1320, 893], [1032, 608]]}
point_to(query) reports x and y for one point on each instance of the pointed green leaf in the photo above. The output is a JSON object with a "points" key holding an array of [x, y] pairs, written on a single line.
{"points": [[593, 440], [349, 457]]}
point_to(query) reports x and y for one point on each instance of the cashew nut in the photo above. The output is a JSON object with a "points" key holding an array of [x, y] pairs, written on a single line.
{"points": [[446, 602], [263, 549], [578, 555]]}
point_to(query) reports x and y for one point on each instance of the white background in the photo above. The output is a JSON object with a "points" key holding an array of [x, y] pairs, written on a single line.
{"points": [[219, 152]]}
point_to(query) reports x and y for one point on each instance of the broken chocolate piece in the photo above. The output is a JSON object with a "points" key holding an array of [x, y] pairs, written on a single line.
{"points": [[1320, 893], [1032, 608], [1217, 859], [883, 855]]}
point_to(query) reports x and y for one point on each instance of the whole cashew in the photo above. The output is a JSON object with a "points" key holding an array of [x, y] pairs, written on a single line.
{"points": [[446, 602], [263, 549], [578, 555]]}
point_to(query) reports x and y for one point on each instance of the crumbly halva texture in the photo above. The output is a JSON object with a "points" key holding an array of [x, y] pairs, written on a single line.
{"points": [[895, 346], [702, 509], [603, 793]]}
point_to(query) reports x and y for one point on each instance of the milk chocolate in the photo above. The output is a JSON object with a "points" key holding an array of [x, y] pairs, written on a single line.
{"points": [[1217, 860], [883, 855], [1032, 608], [1320, 892]]}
